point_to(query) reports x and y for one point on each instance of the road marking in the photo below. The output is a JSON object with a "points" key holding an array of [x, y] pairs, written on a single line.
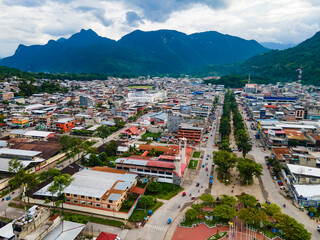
{"points": [[156, 227]]}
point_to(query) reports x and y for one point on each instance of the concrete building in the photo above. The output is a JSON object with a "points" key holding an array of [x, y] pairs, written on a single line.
{"points": [[191, 133], [86, 101], [140, 95]]}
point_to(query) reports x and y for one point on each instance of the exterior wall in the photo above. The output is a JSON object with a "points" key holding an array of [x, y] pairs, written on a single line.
{"points": [[85, 209], [310, 162], [307, 180], [191, 135], [7, 96], [66, 127]]}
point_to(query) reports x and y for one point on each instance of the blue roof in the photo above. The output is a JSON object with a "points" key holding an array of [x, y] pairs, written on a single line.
{"points": [[281, 98]]}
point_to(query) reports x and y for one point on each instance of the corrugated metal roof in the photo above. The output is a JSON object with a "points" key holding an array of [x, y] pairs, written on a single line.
{"points": [[19, 152], [132, 161], [18, 131], [122, 186], [114, 197], [70, 231]]}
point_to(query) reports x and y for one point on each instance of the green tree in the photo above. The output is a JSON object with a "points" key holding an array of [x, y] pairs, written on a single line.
{"points": [[104, 158], [292, 229], [191, 214], [207, 199], [248, 168], [243, 144], [154, 187], [228, 200], [14, 165], [197, 207], [58, 186], [247, 200], [224, 211], [224, 161], [52, 172], [103, 132], [94, 161], [271, 209], [253, 216], [111, 148], [133, 149], [146, 201]]}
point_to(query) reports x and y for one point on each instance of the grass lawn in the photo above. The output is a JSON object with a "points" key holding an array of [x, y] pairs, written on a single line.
{"points": [[193, 164], [196, 155], [127, 204], [138, 215], [168, 191], [150, 134], [145, 86]]}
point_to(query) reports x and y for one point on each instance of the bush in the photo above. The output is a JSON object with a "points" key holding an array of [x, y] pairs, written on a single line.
{"points": [[154, 187]]}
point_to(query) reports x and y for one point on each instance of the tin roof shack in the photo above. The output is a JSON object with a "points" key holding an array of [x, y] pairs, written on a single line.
{"points": [[296, 137]]}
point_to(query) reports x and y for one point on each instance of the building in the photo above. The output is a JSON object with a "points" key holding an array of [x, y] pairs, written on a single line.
{"points": [[98, 187], [20, 122], [33, 135], [6, 96], [86, 101], [65, 124], [191, 133], [304, 174], [140, 95], [251, 88]]}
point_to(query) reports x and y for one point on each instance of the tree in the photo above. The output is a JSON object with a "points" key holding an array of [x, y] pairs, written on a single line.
{"points": [[197, 207], [146, 201], [191, 214], [104, 158], [253, 216], [111, 148], [244, 145], [133, 149], [228, 200], [70, 104], [207, 198], [152, 153], [103, 132], [271, 209], [224, 160], [247, 200], [292, 229], [224, 211], [15, 165], [248, 168], [58, 185], [154, 187], [94, 161], [52, 172]]}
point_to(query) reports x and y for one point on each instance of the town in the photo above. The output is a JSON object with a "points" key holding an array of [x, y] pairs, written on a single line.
{"points": [[160, 158]]}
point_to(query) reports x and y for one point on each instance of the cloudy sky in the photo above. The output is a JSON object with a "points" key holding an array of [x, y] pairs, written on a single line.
{"points": [[37, 21]]}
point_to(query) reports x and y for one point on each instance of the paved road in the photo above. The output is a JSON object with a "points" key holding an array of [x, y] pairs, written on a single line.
{"points": [[157, 226], [272, 189]]}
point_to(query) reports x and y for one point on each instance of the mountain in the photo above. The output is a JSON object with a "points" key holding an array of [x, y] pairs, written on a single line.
{"points": [[278, 46], [139, 52], [277, 65]]}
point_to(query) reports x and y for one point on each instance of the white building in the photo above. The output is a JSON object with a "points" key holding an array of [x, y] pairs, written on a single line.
{"points": [[146, 97]]}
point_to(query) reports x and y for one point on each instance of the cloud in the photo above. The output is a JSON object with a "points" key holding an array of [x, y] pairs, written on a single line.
{"points": [[24, 3], [133, 19], [99, 13], [160, 11]]}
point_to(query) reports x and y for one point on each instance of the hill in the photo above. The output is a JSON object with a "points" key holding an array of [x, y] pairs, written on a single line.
{"points": [[154, 52], [277, 65]]}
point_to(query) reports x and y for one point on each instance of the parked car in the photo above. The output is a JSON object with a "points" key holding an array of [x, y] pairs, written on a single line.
{"points": [[183, 194], [197, 185], [275, 178], [318, 228], [206, 169], [283, 188]]}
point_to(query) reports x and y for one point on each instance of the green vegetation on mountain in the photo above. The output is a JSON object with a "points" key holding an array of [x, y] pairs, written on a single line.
{"points": [[154, 52], [277, 66]]}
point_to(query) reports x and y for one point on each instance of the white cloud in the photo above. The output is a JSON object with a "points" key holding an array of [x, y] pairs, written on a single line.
{"points": [[36, 22]]}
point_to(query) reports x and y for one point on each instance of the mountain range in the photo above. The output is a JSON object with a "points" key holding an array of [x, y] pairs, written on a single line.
{"points": [[277, 65], [139, 52]]}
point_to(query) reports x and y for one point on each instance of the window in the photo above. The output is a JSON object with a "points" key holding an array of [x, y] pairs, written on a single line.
{"points": [[98, 204], [139, 170], [108, 206], [104, 199], [75, 195], [168, 173], [313, 179], [98, 199], [82, 196], [75, 200], [68, 199], [90, 203], [161, 172], [154, 171], [110, 201], [308, 159], [90, 197], [68, 194], [83, 202]]}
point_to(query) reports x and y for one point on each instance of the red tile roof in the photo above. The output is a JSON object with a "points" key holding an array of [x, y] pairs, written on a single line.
{"points": [[160, 164], [137, 190], [106, 236]]}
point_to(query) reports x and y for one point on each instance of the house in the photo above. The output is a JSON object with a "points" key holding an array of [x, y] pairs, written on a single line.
{"points": [[34, 135], [132, 131], [65, 124]]}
